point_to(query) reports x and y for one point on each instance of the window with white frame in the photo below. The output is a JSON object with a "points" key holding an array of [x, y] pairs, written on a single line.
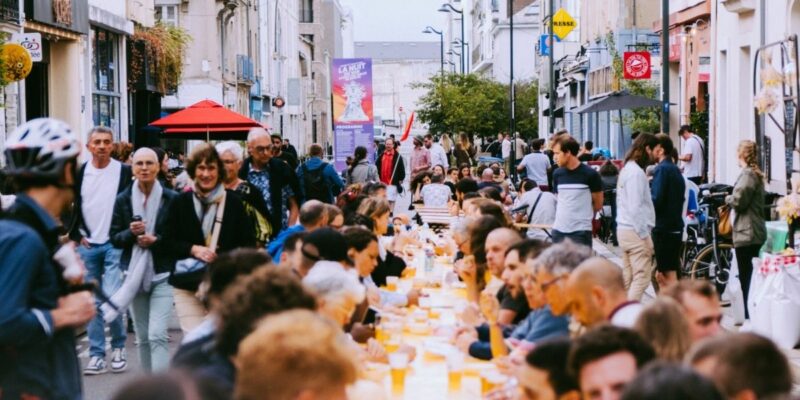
{"points": [[167, 14], [105, 79]]}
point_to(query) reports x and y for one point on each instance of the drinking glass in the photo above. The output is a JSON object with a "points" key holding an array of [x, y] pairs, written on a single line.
{"points": [[398, 364]]}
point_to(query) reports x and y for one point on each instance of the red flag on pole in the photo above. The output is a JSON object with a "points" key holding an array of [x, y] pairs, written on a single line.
{"points": [[408, 127]]}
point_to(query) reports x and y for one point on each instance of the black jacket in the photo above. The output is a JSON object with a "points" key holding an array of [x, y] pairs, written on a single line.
{"points": [[279, 176], [391, 266], [121, 236], [77, 223], [398, 168], [184, 231]]}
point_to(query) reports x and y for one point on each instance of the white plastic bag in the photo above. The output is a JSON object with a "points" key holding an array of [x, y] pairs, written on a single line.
{"points": [[733, 292]]}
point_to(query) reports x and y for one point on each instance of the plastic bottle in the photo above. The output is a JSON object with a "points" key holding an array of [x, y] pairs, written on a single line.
{"points": [[429, 254]]}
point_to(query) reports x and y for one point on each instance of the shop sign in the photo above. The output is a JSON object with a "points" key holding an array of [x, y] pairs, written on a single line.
{"points": [[31, 42], [636, 65]]}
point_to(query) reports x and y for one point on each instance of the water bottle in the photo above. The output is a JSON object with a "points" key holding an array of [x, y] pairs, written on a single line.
{"points": [[429, 253]]}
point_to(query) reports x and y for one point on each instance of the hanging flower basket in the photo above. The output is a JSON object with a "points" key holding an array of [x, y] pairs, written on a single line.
{"points": [[162, 54]]}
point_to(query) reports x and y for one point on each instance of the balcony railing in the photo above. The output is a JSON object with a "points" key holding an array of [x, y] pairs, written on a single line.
{"points": [[9, 10], [244, 69]]}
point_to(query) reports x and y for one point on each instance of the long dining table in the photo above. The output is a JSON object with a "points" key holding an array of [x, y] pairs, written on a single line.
{"points": [[429, 328]]}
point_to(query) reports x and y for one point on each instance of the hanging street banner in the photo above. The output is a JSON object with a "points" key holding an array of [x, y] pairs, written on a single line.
{"points": [[563, 23], [352, 108], [637, 65]]}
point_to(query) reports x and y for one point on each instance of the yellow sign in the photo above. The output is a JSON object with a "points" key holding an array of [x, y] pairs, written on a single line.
{"points": [[563, 24]]}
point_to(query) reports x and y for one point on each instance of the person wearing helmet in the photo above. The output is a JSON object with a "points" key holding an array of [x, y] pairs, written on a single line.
{"points": [[98, 183], [38, 313]]}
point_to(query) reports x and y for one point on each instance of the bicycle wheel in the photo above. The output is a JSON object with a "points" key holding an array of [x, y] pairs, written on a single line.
{"points": [[704, 266]]}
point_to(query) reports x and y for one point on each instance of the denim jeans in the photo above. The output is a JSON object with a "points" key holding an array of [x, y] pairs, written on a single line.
{"points": [[151, 312], [102, 265], [578, 237]]}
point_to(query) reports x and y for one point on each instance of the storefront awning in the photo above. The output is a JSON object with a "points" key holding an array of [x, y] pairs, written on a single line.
{"points": [[51, 30]]}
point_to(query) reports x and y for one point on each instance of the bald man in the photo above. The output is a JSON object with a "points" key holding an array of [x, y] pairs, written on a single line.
{"points": [[597, 294], [512, 308]]}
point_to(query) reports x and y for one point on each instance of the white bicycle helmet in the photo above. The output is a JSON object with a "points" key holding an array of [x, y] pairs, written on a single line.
{"points": [[39, 148]]}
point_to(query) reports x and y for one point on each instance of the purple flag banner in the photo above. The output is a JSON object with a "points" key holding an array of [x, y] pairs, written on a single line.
{"points": [[352, 108]]}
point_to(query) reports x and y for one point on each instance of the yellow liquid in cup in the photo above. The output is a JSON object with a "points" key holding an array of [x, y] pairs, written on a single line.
{"points": [[391, 286], [398, 379], [486, 385], [380, 334], [410, 272], [438, 250], [434, 313], [392, 346], [454, 380]]}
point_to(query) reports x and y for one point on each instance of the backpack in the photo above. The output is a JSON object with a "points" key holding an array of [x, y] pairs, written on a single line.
{"points": [[314, 184]]}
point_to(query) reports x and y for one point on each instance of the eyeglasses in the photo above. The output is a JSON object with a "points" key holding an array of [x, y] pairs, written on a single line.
{"points": [[545, 285], [262, 149]]}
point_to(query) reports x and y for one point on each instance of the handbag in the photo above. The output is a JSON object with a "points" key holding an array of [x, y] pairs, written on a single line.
{"points": [[189, 271], [724, 221]]}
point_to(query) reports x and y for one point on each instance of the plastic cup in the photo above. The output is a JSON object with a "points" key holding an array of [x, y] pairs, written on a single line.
{"points": [[398, 364], [455, 370], [391, 283], [490, 380]]}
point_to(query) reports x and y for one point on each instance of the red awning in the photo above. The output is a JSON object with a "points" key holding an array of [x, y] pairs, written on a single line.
{"points": [[206, 120]]}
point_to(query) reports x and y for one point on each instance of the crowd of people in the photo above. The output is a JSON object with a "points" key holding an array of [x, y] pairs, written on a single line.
{"points": [[279, 270]]}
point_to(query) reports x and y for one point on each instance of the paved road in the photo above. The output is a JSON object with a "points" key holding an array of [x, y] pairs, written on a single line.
{"points": [[103, 387]]}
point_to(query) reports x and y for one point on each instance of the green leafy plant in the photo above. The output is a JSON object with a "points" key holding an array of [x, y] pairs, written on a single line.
{"points": [[475, 105], [164, 51]]}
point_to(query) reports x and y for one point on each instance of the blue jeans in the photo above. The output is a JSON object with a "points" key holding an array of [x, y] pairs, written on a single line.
{"points": [[102, 265], [151, 312], [578, 237]]}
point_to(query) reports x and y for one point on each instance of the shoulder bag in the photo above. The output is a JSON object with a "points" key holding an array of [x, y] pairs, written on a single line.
{"points": [[189, 271]]}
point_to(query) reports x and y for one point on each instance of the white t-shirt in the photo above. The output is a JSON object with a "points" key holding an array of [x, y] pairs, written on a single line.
{"points": [[98, 193], [438, 156], [505, 148], [435, 195], [543, 214], [536, 165], [693, 146]]}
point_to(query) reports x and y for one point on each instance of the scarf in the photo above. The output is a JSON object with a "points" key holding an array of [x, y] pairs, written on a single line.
{"points": [[206, 209], [139, 277]]}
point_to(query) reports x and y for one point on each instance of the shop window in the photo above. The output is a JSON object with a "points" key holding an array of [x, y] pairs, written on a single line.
{"points": [[105, 79]]}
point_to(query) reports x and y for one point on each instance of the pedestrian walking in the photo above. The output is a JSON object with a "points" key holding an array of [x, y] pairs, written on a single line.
{"points": [[636, 217], [667, 190], [277, 183], [361, 171], [437, 152], [230, 153], [392, 171], [536, 165], [747, 201], [494, 148], [579, 191], [693, 155], [38, 359], [100, 181], [203, 223], [447, 144], [139, 228], [420, 158], [318, 179], [277, 152]]}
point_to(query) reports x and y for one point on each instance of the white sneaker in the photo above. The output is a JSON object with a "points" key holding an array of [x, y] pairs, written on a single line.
{"points": [[119, 360], [96, 366]]}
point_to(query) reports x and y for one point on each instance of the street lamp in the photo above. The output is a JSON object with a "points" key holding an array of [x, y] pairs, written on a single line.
{"points": [[429, 29], [447, 7], [460, 42], [512, 121], [453, 65]]}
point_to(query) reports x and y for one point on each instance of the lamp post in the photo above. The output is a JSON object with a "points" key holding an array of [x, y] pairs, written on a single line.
{"points": [[452, 53], [453, 65], [447, 7], [512, 120], [465, 54], [428, 29]]}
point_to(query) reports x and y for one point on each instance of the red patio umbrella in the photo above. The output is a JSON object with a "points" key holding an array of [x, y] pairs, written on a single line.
{"points": [[206, 120]]}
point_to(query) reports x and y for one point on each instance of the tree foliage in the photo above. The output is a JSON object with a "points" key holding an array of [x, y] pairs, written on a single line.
{"points": [[475, 105]]}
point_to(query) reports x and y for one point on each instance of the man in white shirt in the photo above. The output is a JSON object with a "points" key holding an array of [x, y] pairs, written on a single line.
{"points": [[536, 165], [636, 216], [100, 180], [693, 155], [436, 193], [438, 155], [541, 209]]}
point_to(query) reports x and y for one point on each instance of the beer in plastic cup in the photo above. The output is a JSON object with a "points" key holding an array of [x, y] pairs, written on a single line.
{"points": [[391, 283], [398, 364], [455, 370]]}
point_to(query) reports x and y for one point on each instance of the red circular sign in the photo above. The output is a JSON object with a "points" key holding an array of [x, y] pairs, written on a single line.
{"points": [[637, 65]]}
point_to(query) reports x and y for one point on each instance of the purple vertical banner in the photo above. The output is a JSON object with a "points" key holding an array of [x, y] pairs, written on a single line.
{"points": [[352, 108]]}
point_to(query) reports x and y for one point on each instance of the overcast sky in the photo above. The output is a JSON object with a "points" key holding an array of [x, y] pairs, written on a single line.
{"points": [[395, 20]]}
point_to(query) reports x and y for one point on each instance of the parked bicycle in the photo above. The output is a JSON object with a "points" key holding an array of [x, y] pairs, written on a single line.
{"points": [[708, 255]]}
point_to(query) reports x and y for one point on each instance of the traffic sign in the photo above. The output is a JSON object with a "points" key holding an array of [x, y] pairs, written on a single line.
{"points": [[637, 65], [563, 23]]}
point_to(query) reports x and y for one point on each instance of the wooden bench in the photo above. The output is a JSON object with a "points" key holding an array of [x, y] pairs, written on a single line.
{"points": [[435, 217]]}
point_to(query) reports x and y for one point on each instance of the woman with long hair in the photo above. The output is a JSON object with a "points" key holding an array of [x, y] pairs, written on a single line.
{"points": [[747, 202], [361, 171], [464, 171], [636, 216], [378, 211], [447, 144]]}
